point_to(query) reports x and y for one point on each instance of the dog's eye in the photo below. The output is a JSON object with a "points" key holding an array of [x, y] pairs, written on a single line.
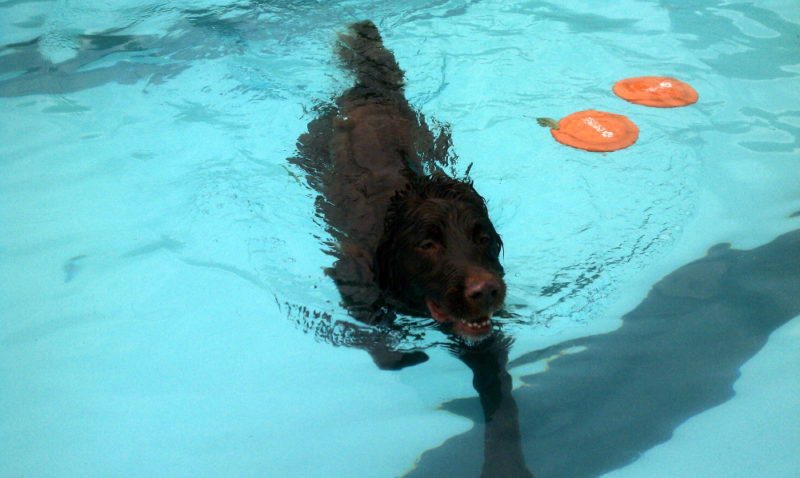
{"points": [[427, 244], [484, 239]]}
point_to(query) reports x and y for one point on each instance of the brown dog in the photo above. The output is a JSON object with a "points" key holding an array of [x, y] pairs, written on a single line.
{"points": [[406, 236]]}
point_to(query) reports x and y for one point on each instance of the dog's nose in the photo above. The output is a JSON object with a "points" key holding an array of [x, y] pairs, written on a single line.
{"points": [[483, 290]]}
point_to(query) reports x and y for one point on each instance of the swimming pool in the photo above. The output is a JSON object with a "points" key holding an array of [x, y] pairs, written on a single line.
{"points": [[164, 310]]}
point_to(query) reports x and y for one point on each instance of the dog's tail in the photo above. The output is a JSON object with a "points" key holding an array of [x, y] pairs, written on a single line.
{"points": [[375, 67]]}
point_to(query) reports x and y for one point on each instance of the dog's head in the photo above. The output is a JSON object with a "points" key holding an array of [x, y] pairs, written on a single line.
{"points": [[439, 255]]}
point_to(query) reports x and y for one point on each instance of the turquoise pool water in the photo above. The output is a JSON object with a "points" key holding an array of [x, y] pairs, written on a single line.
{"points": [[163, 306]]}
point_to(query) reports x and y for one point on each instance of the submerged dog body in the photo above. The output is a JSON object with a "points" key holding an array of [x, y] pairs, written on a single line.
{"points": [[405, 236]]}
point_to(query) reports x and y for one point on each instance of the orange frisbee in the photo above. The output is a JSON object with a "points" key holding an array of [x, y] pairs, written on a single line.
{"points": [[596, 131], [658, 91]]}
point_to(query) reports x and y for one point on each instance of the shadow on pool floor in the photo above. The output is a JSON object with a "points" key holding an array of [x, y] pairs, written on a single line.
{"points": [[676, 354]]}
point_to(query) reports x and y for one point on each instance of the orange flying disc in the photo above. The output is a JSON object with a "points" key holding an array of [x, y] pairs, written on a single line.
{"points": [[596, 131], [658, 91]]}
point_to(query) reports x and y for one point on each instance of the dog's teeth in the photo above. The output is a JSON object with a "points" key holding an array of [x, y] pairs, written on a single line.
{"points": [[476, 325]]}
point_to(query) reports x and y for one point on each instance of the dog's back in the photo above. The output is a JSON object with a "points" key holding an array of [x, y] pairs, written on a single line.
{"points": [[357, 154]]}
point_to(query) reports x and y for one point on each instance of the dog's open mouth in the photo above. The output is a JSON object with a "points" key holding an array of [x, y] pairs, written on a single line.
{"points": [[467, 327]]}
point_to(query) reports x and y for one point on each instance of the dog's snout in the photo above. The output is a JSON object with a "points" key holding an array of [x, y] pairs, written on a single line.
{"points": [[484, 289], [479, 290]]}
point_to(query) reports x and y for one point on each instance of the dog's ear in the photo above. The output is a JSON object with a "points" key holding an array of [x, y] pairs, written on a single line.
{"points": [[384, 264], [384, 267]]}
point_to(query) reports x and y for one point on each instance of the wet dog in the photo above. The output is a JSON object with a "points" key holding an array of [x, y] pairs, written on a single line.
{"points": [[406, 236]]}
